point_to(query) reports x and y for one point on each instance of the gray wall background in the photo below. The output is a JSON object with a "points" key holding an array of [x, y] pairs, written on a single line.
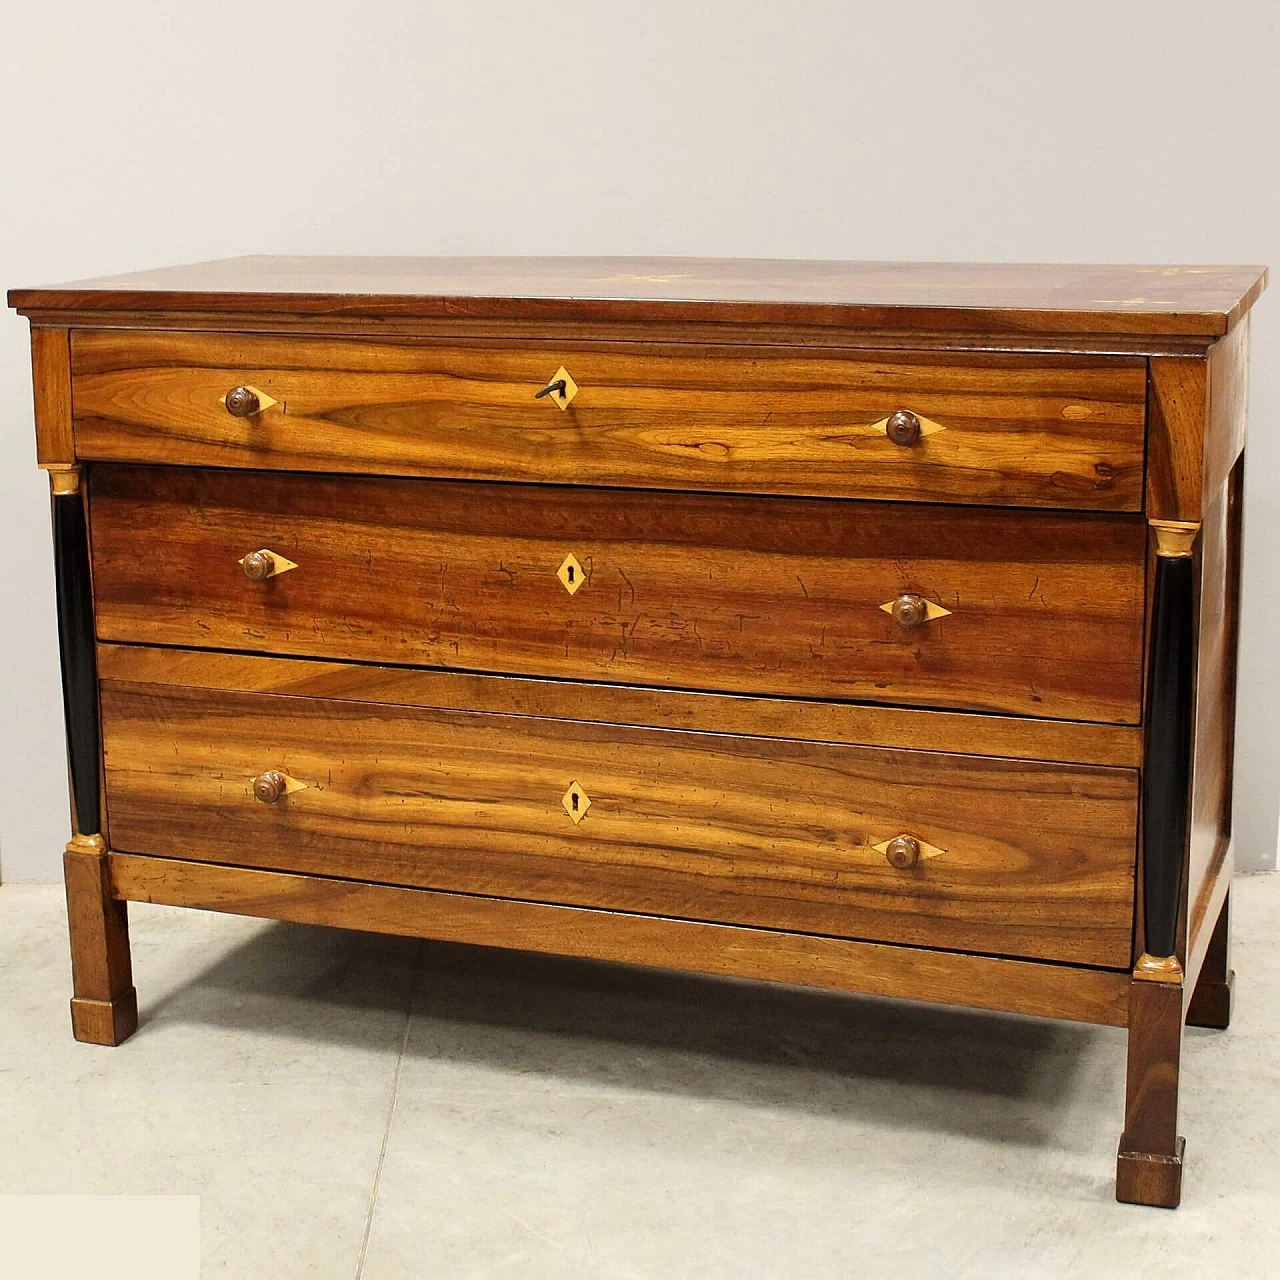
{"points": [[139, 133]]}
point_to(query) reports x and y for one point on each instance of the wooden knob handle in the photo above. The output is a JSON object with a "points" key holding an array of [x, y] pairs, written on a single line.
{"points": [[269, 787], [903, 427], [258, 566], [242, 402], [909, 610], [903, 852]]}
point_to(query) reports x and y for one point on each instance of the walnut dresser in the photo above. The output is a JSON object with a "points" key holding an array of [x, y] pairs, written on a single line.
{"points": [[862, 625]]}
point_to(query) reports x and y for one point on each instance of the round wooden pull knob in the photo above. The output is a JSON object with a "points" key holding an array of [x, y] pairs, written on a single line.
{"points": [[910, 610], [242, 402], [258, 566], [902, 427], [269, 787], [903, 853]]}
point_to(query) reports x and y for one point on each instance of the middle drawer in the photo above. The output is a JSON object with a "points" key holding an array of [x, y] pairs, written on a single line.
{"points": [[1024, 612]]}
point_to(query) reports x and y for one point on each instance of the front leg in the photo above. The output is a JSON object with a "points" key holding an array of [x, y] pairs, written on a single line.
{"points": [[1149, 1163], [104, 1005]]}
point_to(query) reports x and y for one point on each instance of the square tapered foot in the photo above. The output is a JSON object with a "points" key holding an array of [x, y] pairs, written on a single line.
{"points": [[109, 1022], [1150, 1180], [1211, 1004]]}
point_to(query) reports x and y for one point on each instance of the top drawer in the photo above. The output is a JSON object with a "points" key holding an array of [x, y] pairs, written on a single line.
{"points": [[1015, 430]]}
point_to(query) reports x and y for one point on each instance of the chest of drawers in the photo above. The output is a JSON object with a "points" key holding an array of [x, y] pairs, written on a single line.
{"points": [[867, 626]]}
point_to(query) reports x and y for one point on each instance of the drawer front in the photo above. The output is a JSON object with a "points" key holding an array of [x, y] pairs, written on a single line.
{"points": [[1010, 857], [1026, 430], [1024, 612]]}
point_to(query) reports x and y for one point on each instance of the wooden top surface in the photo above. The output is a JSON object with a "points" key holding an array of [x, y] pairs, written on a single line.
{"points": [[1068, 300]]}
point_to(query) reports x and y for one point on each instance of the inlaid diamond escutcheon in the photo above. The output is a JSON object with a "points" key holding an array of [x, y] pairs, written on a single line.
{"points": [[570, 574], [576, 803], [561, 397]]}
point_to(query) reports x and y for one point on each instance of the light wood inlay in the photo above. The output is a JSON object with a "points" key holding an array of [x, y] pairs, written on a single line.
{"points": [[262, 401], [923, 847], [927, 425], [903, 609], [265, 563]]}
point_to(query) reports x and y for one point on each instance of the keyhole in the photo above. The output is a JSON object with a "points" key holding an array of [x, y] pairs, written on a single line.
{"points": [[571, 576], [575, 802]]}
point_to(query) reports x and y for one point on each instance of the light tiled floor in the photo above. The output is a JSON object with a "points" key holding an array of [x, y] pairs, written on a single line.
{"points": [[348, 1105]]}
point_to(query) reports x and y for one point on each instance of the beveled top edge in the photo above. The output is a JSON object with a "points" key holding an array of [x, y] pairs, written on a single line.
{"points": [[1035, 298]]}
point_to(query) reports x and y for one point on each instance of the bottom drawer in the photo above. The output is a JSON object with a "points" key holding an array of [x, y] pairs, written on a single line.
{"points": [[1014, 858]]}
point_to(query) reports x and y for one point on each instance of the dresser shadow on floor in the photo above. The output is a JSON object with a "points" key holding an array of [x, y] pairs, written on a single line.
{"points": [[640, 1030]]}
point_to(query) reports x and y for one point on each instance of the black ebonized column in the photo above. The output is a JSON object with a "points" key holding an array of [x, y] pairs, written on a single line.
{"points": [[79, 669], [1167, 763]]}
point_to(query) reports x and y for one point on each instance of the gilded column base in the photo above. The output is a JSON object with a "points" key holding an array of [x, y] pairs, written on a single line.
{"points": [[1158, 968]]}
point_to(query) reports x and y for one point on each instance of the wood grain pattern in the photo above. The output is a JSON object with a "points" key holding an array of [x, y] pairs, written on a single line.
{"points": [[637, 336], [1018, 986], [1149, 1163], [51, 394], [104, 1008], [1220, 549], [1211, 996], [1204, 911], [700, 592], [976, 298], [1179, 408], [1197, 428], [946, 811], [1064, 741], [1047, 431], [736, 830], [1227, 418], [1154, 1181]]}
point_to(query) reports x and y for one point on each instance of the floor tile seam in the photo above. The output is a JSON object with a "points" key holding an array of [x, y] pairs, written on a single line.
{"points": [[374, 1189]]}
